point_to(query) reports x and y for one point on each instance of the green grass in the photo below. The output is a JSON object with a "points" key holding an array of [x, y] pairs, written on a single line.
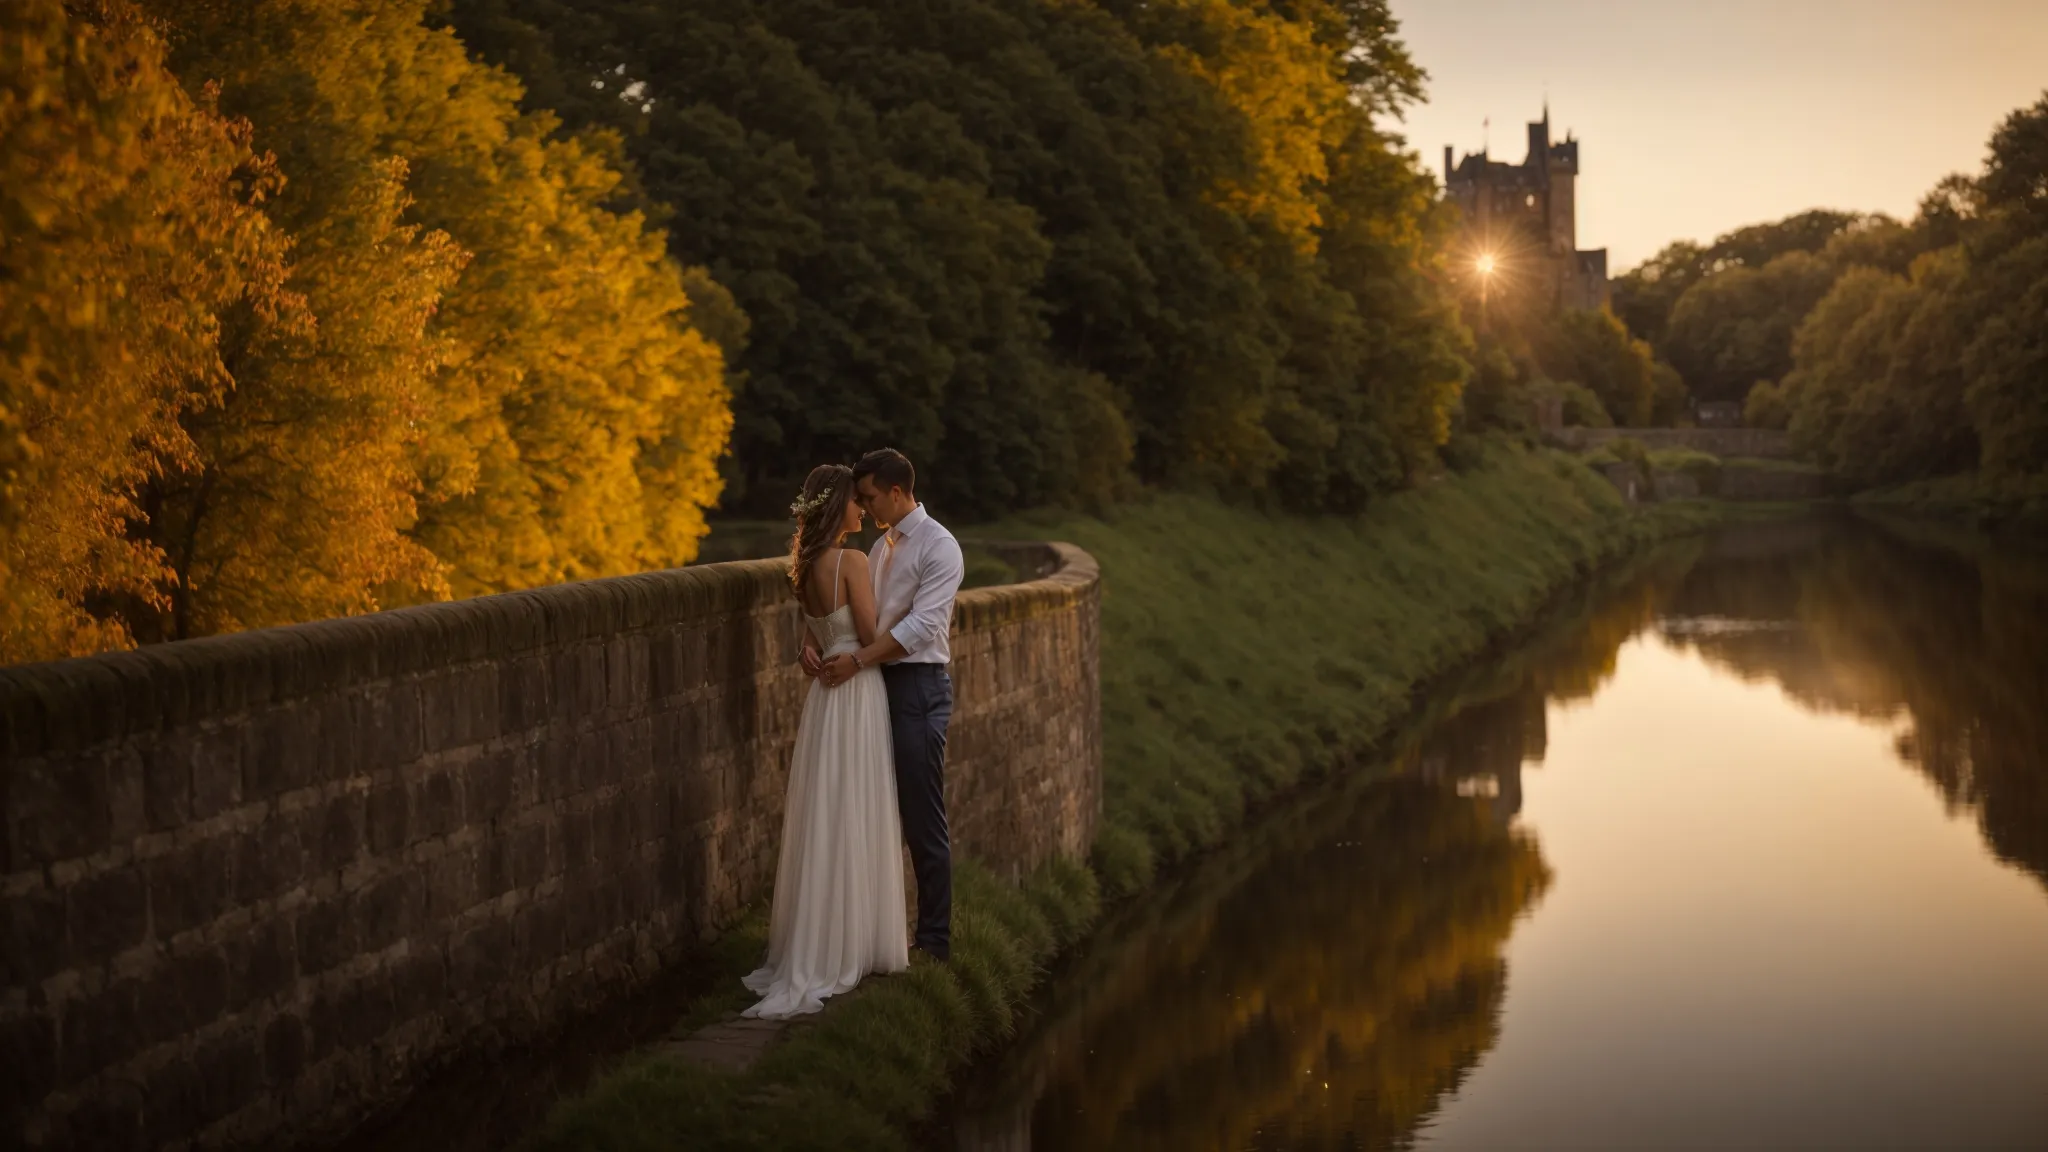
{"points": [[854, 1076], [2019, 506], [1241, 652]]}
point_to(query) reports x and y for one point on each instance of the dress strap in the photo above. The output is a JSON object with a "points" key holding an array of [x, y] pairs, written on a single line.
{"points": [[836, 562]]}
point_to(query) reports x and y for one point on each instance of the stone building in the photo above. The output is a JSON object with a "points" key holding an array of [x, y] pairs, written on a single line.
{"points": [[1522, 215]]}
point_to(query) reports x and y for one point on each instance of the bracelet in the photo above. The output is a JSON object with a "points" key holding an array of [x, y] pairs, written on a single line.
{"points": [[857, 661]]}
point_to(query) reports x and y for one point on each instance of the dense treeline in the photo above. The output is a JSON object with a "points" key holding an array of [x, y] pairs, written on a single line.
{"points": [[1041, 246], [300, 315], [316, 306], [1893, 351]]}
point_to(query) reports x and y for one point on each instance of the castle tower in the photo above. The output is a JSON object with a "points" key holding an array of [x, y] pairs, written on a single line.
{"points": [[1528, 213]]}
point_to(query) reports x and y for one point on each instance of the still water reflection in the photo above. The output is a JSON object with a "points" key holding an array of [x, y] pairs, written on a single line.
{"points": [[1748, 849]]}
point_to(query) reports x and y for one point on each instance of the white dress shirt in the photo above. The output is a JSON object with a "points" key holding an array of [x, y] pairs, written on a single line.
{"points": [[918, 569]]}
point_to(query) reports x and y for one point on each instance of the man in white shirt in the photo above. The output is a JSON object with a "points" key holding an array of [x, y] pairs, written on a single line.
{"points": [[918, 569]]}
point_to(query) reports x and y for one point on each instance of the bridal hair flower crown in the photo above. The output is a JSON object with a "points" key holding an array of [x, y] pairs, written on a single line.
{"points": [[803, 507]]}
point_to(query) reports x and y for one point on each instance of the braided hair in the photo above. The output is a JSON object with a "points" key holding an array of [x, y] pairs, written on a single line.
{"points": [[819, 512]]}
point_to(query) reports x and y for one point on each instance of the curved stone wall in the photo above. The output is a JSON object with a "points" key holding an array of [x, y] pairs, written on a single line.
{"points": [[256, 886]]}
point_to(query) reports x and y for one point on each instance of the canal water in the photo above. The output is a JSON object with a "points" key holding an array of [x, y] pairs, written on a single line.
{"points": [[1748, 848]]}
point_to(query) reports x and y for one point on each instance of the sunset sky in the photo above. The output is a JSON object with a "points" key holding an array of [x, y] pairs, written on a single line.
{"points": [[1695, 118]]}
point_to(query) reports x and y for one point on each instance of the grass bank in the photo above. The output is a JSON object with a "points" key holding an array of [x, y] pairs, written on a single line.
{"points": [[2018, 507], [1241, 652]]}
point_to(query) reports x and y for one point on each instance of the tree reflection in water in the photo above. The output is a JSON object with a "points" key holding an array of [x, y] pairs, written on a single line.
{"points": [[1320, 985], [1941, 627]]}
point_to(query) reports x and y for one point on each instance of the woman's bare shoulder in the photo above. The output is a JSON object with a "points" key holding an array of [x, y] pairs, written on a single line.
{"points": [[856, 560]]}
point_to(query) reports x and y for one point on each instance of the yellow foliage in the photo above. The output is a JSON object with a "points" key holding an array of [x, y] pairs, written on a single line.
{"points": [[127, 226], [299, 504], [572, 426], [1270, 70], [381, 341]]}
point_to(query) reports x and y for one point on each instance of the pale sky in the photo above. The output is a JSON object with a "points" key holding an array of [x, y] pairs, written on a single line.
{"points": [[1698, 117]]}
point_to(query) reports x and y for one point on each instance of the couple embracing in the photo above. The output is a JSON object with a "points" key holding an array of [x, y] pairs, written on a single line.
{"points": [[868, 772]]}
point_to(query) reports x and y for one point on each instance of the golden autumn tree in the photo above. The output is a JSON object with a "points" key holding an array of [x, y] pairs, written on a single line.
{"points": [[571, 419], [1286, 102], [303, 489], [128, 226]]}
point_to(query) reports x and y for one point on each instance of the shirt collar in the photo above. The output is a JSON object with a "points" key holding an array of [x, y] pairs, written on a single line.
{"points": [[908, 526]]}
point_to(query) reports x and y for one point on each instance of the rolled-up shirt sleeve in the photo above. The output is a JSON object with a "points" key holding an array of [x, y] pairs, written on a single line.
{"points": [[931, 608]]}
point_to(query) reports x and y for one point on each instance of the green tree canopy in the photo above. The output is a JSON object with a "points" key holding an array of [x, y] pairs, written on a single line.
{"points": [[1940, 370], [1035, 245]]}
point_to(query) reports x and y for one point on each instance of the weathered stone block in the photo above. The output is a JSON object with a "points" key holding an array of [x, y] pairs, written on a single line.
{"points": [[436, 805], [522, 694], [101, 1029], [106, 913], [387, 818], [56, 810], [270, 859], [419, 984], [284, 1049], [576, 841], [190, 886], [528, 846], [537, 935], [175, 1104], [365, 1012], [487, 787], [452, 882], [393, 711], [216, 765], [28, 1050], [261, 962], [230, 1072], [479, 959], [195, 984], [344, 734], [280, 751], [324, 935], [35, 942], [167, 783], [108, 1120], [390, 909], [331, 832]]}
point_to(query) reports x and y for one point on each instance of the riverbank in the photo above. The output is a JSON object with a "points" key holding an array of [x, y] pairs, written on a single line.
{"points": [[2019, 508], [1241, 653]]}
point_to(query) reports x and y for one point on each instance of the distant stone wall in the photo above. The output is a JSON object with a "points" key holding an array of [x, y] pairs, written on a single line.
{"points": [[1738, 483], [256, 886], [1765, 443]]}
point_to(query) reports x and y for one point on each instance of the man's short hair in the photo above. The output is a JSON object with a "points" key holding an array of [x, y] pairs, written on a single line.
{"points": [[890, 468]]}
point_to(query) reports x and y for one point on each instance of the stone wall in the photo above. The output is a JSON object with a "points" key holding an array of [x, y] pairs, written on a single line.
{"points": [[255, 887], [1739, 483], [1764, 443]]}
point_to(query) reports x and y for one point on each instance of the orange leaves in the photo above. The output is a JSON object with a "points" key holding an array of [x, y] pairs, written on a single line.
{"points": [[380, 341], [125, 238]]}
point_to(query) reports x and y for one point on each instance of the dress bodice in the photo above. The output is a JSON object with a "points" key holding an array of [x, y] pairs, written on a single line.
{"points": [[835, 632]]}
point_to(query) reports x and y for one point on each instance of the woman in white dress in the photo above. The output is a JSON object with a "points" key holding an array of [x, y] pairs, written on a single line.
{"points": [[839, 911]]}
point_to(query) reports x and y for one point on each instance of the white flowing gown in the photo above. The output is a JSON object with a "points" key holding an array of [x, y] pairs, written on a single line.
{"points": [[839, 911]]}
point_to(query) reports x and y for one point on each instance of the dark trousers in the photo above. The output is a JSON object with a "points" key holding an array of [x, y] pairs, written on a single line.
{"points": [[920, 705]]}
